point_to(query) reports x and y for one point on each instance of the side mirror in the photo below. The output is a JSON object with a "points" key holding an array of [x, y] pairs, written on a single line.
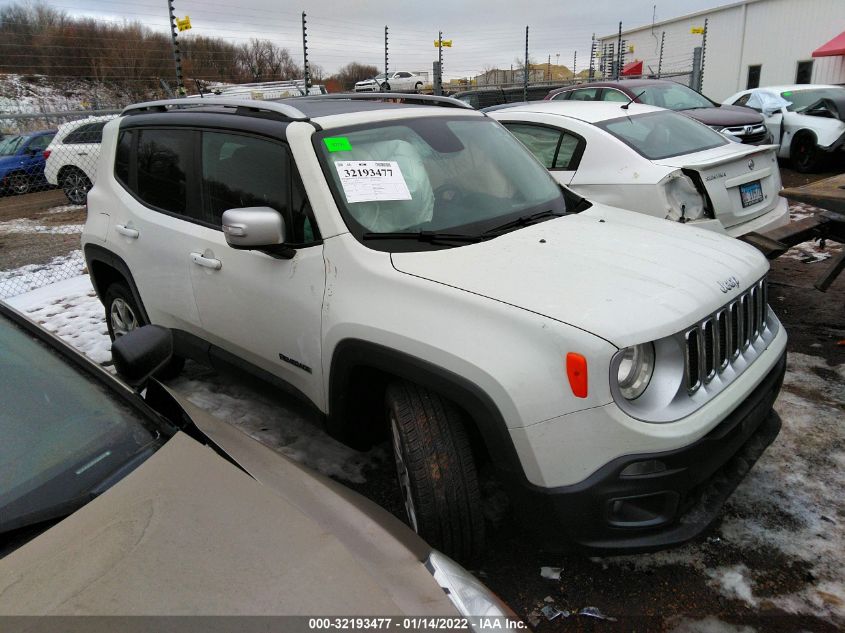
{"points": [[253, 227], [141, 353]]}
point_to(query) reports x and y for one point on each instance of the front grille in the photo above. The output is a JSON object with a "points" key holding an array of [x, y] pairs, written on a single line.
{"points": [[753, 138], [716, 342], [753, 134]]}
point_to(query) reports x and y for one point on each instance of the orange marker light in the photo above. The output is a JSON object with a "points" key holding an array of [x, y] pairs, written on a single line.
{"points": [[576, 371]]}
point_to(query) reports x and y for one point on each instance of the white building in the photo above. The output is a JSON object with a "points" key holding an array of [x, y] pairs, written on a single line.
{"points": [[770, 42]]}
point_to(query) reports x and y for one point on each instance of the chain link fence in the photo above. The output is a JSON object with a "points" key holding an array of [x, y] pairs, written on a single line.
{"points": [[48, 162]]}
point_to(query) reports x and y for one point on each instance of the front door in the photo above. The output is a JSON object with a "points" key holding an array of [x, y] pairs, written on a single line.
{"points": [[263, 309]]}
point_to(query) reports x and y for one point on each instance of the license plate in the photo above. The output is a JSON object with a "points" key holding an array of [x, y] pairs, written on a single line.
{"points": [[751, 193]]}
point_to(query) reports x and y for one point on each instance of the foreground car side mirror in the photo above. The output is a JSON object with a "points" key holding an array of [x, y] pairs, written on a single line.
{"points": [[140, 353]]}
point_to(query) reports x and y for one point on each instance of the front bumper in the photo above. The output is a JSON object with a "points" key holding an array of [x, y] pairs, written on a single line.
{"points": [[612, 513], [367, 88]]}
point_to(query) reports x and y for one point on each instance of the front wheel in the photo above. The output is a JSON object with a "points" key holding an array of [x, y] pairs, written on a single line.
{"points": [[76, 184], [123, 316], [804, 153], [418, 87], [20, 183], [385, 87], [436, 470]]}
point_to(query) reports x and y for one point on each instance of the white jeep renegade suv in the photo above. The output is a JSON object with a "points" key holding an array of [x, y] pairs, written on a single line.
{"points": [[413, 272]]}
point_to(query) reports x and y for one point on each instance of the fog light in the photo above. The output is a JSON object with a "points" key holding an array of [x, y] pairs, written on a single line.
{"points": [[640, 469]]}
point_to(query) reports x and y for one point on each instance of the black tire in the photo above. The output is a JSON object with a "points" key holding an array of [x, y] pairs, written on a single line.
{"points": [[804, 153], [123, 316], [439, 484], [20, 183], [76, 185], [418, 87]]}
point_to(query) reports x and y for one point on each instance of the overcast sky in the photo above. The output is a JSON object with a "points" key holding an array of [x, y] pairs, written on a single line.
{"points": [[485, 33]]}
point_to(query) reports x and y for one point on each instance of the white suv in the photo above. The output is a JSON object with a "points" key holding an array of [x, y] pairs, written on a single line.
{"points": [[72, 157], [414, 273]]}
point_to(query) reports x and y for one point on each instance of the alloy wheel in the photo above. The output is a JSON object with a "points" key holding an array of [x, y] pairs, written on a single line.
{"points": [[123, 319]]}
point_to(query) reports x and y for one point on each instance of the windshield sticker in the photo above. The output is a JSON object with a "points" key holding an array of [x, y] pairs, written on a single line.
{"points": [[372, 180], [338, 144], [787, 94]]}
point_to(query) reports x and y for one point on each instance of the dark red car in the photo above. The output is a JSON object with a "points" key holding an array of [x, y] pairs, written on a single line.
{"points": [[743, 123]]}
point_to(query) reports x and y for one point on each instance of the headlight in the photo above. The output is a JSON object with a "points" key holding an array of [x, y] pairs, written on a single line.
{"points": [[635, 370], [467, 593], [685, 203]]}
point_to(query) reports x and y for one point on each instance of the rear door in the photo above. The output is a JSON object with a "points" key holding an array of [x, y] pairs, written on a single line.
{"points": [[742, 181], [261, 308], [82, 148]]}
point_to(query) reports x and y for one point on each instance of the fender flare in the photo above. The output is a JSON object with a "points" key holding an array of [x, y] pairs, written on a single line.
{"points": [[97, 254], [350, 354]]}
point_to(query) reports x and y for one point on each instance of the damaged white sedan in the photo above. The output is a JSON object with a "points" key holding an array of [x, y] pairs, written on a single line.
{"points": [[653, 161]]}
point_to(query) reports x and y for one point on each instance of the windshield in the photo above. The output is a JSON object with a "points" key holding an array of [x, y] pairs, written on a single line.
{"points": [[664, 134], [62, 434], [381, 76], [434, 174], [801, 99], [672, 97], [10, 146]]}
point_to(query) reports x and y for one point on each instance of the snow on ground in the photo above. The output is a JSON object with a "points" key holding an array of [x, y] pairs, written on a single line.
{"points": [[21, 280], [732, 582], [809, 252], [25, 225], [72, 310]]}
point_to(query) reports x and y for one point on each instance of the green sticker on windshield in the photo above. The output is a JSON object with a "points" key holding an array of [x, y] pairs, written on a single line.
{"points": [[787, 94], [337, 144]]}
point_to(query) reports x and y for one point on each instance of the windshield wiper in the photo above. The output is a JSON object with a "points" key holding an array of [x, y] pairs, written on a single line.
{"points": [[523, 220], [424, 236]]}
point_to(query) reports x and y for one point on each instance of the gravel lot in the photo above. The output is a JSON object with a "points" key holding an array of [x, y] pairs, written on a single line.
{"points": [[773, 562]]}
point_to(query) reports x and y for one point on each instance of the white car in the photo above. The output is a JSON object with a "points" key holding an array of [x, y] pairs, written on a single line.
{"points": [[806, 120], [653, 161], [397, 81], [414, 274], [72, 156]]}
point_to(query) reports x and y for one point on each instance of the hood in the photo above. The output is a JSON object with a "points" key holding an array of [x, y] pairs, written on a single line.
{"points": [[365, 82], [726, 115], [189, 533], [621, 275]]}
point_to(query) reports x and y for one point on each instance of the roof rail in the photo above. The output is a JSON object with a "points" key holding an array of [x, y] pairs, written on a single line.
{"points": [[287, 111], [447, 102]]}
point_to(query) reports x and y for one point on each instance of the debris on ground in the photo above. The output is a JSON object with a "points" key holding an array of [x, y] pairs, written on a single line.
{"points": [[552, 573], [594, 612], [551, 612]]}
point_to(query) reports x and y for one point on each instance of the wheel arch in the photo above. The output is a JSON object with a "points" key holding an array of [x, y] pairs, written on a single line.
{"points": [[106, 268], [359, 373]]}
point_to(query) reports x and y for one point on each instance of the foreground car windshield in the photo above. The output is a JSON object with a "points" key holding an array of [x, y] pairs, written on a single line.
{"points": [[663, 134], [674, 97], [801, 99], [62, 434], [434, 174]]}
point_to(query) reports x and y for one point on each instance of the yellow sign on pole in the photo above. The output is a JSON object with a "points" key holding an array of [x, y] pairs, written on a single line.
{"points": [[446, 43], [697, 30], [183, 24]]}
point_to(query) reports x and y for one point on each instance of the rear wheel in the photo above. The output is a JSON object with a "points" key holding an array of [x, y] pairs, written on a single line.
{"points": [[436, 470], [20, 183], [75, 184], [804, 153], [123, 316]]}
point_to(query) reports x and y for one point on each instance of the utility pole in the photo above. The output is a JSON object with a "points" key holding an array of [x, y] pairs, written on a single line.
{"points": [[177, 55], [439, 86], [549, 68], [619, 52], [703, 54], [591, 73], [660, 59], [385, 52], [574, 62], [306, 70], [525, 74]]}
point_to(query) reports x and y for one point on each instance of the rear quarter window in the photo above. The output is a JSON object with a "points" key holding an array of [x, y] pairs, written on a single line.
{"points": [[664, 134]]}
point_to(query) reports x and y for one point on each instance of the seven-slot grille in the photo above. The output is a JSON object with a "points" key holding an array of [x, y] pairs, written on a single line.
{"points": [[712, 345]]}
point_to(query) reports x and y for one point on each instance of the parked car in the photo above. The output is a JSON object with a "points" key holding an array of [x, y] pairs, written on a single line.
{"points": [[72, 156], [806, 120], [22, 161], [740, 123], [416, 275], [653, 161], [396, 81], [481, 98], [172, 511]]}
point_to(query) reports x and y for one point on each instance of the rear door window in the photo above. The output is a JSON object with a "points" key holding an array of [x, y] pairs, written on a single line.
{"points": [[89, 133], [584, 94], [609, 94], [164, 162], [555, 148]]}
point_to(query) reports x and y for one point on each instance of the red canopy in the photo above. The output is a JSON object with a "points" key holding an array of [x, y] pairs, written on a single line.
{"points": [[633, 68], [836, 46]]}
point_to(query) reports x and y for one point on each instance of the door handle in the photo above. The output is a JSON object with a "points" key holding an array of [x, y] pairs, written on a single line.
{"points": [[82, 153], [207, 262], [126, 231]]}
